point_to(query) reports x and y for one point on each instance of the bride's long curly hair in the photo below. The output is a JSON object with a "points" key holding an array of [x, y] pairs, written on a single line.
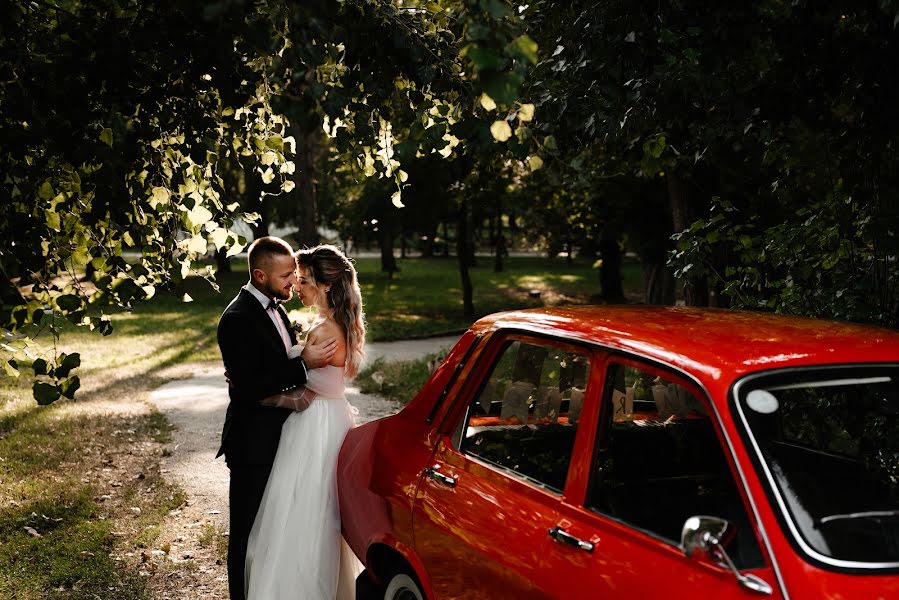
{"points": [[329, 267]]}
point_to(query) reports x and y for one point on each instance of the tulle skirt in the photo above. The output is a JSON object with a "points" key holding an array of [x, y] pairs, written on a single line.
{"points": [[295, 548]]}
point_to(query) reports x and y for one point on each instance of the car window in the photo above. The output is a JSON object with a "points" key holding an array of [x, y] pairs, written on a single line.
{"points": [[525, 415], [658, 461], [828, 439]]}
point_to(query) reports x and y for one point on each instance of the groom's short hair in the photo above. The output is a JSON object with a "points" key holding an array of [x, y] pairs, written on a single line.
{"points": [[264, 248]]}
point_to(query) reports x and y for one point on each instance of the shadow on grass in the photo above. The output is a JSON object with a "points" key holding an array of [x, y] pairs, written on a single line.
{"points": [[53, 541], [66, 551]]}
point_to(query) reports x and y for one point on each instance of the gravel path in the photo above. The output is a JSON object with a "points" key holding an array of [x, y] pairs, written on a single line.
{"points": [[196, 408]]}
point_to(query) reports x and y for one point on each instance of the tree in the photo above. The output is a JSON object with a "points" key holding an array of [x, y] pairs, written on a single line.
{"points": [[765, 125], [116, 119]]}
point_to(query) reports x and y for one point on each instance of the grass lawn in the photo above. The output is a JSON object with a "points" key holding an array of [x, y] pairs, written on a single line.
{"points": [[82, 498], [81, 493]]}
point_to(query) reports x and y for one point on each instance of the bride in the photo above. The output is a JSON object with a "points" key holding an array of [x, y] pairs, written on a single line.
{"points": [[295, 548]]}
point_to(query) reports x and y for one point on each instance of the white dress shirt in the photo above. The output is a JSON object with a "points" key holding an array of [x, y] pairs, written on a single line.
{"points": [[273, 314]]}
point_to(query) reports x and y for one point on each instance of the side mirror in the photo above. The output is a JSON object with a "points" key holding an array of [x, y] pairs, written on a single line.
{"points": [[704, 537]]}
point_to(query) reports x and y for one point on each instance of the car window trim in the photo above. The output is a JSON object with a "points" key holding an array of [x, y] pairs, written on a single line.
{"points": [[506, 471], [493, 344], [475, 343]]}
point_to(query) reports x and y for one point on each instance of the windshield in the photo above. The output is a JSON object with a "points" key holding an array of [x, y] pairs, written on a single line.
{"points": [[828, 441]]}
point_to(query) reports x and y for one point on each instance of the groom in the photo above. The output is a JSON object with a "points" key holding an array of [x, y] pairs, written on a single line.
{"points": [[254, 335]]}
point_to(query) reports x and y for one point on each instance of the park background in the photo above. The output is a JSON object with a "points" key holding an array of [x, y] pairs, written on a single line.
{"points": [[481, 155]]}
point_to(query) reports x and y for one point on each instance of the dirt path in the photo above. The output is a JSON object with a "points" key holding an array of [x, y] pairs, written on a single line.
{"points": [[191, 547]]}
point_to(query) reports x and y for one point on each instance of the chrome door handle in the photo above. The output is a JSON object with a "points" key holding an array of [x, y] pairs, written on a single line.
{"points": [[560, 535], [434, 474]]}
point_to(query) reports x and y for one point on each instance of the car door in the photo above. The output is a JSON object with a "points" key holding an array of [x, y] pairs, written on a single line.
{"points": [[493, 487], [655, 460]]}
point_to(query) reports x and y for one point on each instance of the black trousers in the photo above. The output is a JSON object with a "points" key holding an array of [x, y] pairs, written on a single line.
{"points": [[244, 496]]}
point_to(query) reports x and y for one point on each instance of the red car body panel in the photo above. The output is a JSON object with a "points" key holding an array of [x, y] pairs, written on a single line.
{"points": [[389, 509]]}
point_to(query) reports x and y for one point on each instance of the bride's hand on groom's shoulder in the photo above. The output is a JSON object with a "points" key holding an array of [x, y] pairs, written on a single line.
{"points": [[319, 352]]}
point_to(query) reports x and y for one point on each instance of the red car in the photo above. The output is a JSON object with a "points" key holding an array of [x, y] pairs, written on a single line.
{"points": [[637, 452]]}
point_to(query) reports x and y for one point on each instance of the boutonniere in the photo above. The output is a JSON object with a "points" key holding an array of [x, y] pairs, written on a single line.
{"points": [[297, 327]]}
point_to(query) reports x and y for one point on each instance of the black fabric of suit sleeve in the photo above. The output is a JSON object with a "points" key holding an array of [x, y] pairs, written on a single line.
{"points": [[255, 367]]}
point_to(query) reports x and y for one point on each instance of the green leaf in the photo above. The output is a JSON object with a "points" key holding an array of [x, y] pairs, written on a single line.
{"points": [[496, 8], [106, 137], [99, 263], [67, 363], [105, 325], [275, 143], [53, 221], [501, 131], [199, 215], [484, 58], [70, 386], [502, 87], [81, 256], [45, 192], [523, 47], [160, 196], [69, 303], [10, 367], [45, 393], [40, 367], [477, 31]]}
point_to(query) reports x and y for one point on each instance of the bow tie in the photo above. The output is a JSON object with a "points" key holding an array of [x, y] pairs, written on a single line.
{"points": [[273, 304]]}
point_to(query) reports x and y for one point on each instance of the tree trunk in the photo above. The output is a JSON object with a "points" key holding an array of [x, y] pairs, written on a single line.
{"points": [[463, 251], [696, 289], [499, 249], [445, 239], [306, 190], [610, 272], [223, 264], [499, 239], [388, 261], [427, 243], [659, 282]]}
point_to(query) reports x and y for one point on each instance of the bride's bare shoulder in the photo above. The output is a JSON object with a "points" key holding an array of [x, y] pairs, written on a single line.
{"points": [[327, 328]]}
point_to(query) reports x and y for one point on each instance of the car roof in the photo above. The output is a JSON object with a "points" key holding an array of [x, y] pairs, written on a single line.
{"points": [[708, 342]]}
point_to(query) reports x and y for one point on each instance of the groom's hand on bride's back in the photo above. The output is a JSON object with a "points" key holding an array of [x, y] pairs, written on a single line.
{"points": [[318, 353]]}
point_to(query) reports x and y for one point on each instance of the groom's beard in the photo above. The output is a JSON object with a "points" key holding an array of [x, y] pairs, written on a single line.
{"points": [[280, 294]]}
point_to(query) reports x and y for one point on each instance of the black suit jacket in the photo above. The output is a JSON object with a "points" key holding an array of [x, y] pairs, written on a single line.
{"points": [[258, 367]]}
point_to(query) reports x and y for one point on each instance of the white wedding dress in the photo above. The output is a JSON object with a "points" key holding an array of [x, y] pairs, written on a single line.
{"points": [[296, 549]]}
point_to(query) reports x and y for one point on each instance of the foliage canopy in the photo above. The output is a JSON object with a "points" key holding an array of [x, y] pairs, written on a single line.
{"points": [[117, 116]]}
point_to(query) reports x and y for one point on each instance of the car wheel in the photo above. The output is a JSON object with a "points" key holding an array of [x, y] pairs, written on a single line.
{"points": [[403, 587]]}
